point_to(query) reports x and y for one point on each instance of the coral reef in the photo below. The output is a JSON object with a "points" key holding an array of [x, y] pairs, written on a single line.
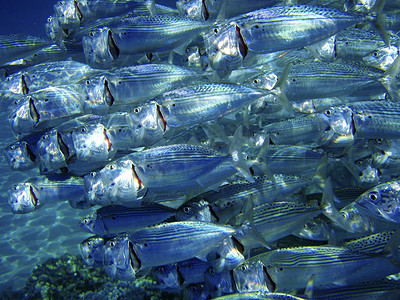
{"points": [[67, 277]]}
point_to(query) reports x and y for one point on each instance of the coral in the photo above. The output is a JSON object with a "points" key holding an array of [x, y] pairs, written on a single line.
{"points": [[68, 277]]}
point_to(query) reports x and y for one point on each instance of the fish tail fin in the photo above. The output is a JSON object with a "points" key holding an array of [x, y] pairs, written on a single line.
{"points": [[222, 12], [239, 161], [392, 248], [377, 20], [320, 176], [389, 80], [244, 225], [309, 291], [327, 202], [280, 91], [261, 161], [151, 7]]}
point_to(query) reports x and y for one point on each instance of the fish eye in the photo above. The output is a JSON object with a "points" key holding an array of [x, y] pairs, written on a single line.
{"points": [[12, 147], [193, 288], [88, 243], [112, 244], [136, 110], [255, 81], [86, 221], [243, 268], [111, 167], [216, 30], [211, 271], [375, 54], [328, 112], [88, 82], [373, 196], [83, 129], [186, 209]]}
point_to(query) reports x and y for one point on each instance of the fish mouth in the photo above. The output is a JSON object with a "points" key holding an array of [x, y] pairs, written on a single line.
{"points": [[34, 199], [353, 125], [243, 48], [135, 262], [270, 283], [78, 11], [110, 99], [206, 13], [25, 89], [113, 49], [32, 156], [33, 113], [140, 184], [181, 280], [62, 146], [160, 115], [213, 214], [238, 245], [109, 144]]}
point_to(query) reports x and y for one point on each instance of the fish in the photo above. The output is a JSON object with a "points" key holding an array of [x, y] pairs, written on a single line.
{"points": [[75, 13], [291, 268], [381, 201], [31, 195], [91, 250], [20, 156], [274, 25], [134, 85], [116, 218], [13, 46], [140, 250]]}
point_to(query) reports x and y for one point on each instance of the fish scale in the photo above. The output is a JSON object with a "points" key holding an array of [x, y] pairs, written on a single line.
{"points": [[288, 27], [202, 103]]}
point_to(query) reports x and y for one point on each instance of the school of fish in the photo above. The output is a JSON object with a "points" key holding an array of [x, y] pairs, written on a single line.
{"points": [[232, 149]]}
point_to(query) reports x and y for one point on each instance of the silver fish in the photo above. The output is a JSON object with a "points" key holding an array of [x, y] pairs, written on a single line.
{"points": [[115, 219]]}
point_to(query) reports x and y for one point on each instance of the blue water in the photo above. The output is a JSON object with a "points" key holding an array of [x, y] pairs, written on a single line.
{"points": [[17, 16]]}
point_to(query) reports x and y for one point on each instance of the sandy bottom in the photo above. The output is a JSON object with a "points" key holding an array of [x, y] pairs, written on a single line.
{"points": [[28, 240]]}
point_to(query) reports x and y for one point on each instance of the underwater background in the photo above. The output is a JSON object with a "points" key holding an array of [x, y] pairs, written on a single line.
{"points": [[30, 239], [53, 231]]}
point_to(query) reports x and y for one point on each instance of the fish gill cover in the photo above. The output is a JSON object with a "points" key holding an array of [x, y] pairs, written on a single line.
{"points": [[201, 149]]}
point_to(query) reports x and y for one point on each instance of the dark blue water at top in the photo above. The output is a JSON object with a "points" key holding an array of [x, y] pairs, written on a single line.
{"points": [[25, 16]]}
